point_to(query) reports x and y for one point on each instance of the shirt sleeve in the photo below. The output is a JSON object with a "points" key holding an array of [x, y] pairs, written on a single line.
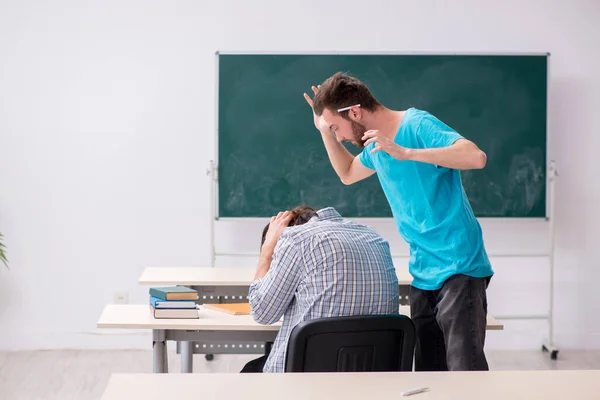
{"points": [[365, 157], [434, 133], [271, 295]]}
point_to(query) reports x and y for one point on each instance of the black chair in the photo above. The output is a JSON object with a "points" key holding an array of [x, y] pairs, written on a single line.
{"points": [[352, 344]]}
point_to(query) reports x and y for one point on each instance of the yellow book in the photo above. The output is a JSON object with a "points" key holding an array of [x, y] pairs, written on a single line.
{"points": [[231, 308]]}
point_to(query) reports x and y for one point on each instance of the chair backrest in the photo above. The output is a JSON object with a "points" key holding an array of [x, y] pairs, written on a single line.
{"points": [[352, 344]]}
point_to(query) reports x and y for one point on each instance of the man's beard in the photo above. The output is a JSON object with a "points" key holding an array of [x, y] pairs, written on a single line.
{"points": [[358, 130]]}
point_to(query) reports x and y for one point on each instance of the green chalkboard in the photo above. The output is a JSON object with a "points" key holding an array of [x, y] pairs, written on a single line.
{"points": [[271, 157]]}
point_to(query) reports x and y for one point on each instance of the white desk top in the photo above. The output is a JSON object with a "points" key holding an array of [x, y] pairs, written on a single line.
{"points": [[493, 385], [208, 276], [138, 316]]}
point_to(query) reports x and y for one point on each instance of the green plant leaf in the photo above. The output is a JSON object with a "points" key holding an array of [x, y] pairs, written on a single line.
{"points": [[3, 252]]}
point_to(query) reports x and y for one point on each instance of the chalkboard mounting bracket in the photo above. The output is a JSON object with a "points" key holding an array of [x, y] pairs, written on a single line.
{"points": [[213, 171]]}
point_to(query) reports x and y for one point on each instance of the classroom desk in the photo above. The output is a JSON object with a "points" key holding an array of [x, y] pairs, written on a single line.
{"points": [[490, 385], [223, 285], [211, 327], [227, 285], [224, 277]]}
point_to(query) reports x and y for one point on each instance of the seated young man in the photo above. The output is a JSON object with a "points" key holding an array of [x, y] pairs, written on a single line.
{"points": [[317, 265]]}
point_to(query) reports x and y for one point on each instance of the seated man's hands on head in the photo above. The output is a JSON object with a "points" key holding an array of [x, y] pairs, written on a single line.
{"points": [[273, 231], [276, 226]]}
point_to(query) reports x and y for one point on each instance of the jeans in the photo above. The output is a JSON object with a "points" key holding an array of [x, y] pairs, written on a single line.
{"points": [[450, 324]]}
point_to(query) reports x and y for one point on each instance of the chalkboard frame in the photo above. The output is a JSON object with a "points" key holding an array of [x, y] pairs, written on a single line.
{"points": [[213, 170]]}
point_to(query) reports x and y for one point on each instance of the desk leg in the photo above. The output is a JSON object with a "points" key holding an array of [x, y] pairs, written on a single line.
{"points": [[159, 351], [187, 357]]}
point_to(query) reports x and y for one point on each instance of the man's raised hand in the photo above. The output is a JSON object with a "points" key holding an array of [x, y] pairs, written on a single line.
{"points": [[386, 144], [316, 118]]}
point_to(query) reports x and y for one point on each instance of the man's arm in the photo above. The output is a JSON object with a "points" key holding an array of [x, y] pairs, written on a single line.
{"points": [[443, 147], [348, 167], [264, 261], [462, 155], [272, 292]]}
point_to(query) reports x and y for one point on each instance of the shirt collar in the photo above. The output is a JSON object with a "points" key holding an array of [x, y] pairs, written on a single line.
{"points": [[328, 214]]}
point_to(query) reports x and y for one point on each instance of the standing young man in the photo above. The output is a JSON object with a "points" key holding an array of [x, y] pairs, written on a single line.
{"points": [[417, 159]]}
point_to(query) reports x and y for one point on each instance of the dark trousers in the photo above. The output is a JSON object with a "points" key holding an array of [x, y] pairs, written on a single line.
{"points": [[255, 366], [450, 324]]}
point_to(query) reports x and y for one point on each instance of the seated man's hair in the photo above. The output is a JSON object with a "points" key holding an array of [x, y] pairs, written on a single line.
{"points": [[300, 216]]}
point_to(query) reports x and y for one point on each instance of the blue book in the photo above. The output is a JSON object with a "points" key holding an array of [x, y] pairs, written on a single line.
{"points": [[174, 293], [160, 303]]}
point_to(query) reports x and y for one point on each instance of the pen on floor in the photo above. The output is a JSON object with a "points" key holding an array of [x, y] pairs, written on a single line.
{"points": [[415, 391]]}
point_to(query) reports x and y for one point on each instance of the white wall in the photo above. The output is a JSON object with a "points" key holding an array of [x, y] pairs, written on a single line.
{"points": [[107, 128]]}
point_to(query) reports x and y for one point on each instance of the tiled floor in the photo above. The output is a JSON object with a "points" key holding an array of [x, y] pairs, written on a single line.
{"points": [[83, 375]]}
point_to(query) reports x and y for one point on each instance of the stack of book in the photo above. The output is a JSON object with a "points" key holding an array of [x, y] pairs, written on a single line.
{"points": [[173, 302]]}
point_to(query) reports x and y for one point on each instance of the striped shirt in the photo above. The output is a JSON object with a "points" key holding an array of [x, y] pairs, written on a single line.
{"points": [[328, 267]]}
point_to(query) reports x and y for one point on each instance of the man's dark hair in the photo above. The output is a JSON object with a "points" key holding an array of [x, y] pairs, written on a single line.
{"points": [[300, 216], [342, 90]]}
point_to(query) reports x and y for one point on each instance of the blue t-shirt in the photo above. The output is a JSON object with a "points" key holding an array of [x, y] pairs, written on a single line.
{"points": [[430, 206]]}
